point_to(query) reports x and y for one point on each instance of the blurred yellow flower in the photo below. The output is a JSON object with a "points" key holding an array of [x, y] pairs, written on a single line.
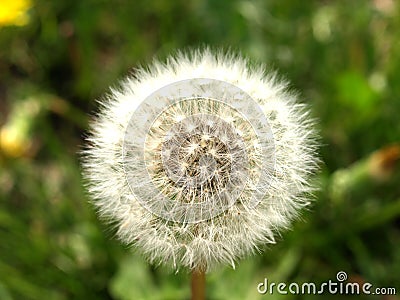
{"points": [[14, 12], [15, 134], [12, 142]]}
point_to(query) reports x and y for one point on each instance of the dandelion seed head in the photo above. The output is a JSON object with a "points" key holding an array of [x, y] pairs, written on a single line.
{"points": [[201, 160]]}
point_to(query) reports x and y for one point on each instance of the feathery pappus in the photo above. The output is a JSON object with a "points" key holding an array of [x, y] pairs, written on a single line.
{"points": [[201, 160]]}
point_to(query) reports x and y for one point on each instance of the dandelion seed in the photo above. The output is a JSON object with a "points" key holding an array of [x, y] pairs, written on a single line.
{"points": [[209, 159]]}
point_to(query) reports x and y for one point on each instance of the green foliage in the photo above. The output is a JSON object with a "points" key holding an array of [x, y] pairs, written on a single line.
{"points": [[344, 57]]}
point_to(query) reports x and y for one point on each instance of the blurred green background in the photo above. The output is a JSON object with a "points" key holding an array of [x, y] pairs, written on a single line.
{"points": [[57, 57]]}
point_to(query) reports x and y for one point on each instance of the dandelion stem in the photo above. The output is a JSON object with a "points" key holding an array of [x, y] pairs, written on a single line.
{"points": [[198, 285]]}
